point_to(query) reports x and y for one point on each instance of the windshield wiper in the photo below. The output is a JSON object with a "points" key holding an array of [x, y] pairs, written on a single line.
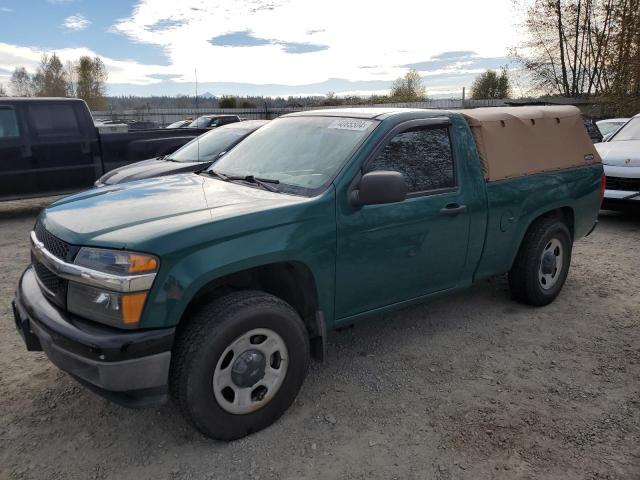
{"points": [[213, 173], [263, 182]]}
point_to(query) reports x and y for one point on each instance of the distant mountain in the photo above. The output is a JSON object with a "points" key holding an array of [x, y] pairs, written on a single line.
{"points": [[207, 95]]}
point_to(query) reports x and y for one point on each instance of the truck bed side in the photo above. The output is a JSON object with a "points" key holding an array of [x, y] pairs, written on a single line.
{"points": [[513, 204]]}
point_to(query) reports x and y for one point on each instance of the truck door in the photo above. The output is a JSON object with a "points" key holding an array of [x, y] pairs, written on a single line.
{"points": [[395, 252], [62, 150], [16, 159]]}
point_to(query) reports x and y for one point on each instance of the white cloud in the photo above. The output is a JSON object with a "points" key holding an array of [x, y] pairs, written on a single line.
{"points": [[356, 32], [120, 71], [362, 40], [6, 9], [76, 22]]}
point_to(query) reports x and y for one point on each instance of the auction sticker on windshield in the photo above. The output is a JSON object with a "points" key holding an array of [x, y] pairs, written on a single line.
{"points": [[350, 124]]}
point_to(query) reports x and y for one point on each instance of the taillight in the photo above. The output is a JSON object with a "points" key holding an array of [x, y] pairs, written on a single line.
{"points": [[603, 186]]}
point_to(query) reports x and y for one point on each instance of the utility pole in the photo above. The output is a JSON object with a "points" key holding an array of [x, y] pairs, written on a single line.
{"points": [[463, 95], [195, 71]]}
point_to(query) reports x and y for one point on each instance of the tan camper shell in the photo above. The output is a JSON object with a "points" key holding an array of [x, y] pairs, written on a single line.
{"points": [[517, 141]]}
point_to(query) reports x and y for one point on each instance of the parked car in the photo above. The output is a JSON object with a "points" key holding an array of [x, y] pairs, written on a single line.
{"points": [[593, 130], [609, 126], [180, 124], [213, 121], [51, 146], [196, 155], [217, 287], [621, 158]]}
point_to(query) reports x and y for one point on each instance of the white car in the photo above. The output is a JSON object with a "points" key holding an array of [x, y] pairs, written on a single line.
{"points": [[621, 159], [610, 126]]}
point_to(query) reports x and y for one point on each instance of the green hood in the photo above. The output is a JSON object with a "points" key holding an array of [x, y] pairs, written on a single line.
{"points": [[142, 215]]}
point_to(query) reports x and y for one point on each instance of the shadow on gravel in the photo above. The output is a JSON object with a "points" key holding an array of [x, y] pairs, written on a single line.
{"points": [[628, 216], [23, 208]]}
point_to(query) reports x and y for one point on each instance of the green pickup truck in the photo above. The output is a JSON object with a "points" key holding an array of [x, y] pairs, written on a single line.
{"points": [[217, 288]]}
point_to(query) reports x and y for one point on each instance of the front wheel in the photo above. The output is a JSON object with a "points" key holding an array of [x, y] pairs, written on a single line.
{"points": [[542, 264], [239, 364]]}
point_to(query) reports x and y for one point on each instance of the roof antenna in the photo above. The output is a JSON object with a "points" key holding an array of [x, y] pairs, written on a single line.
{"points": [[195, 71]]}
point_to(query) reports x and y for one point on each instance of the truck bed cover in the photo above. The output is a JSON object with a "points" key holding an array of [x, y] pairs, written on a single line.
{"points": [[518, 141]]}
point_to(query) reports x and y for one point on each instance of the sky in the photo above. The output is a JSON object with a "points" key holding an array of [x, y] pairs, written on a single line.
{"points": [[264, 47]]}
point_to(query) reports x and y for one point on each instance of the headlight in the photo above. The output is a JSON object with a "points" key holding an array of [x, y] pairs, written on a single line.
{"points": [[119, 309], [116, 262]]}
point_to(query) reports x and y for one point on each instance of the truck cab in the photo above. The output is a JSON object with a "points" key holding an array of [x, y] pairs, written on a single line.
{"points": [[47, 146], [51, 146]]}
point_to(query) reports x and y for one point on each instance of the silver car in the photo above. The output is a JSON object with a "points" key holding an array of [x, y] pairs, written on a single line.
{"points": [[610, 126], [621, 159]]}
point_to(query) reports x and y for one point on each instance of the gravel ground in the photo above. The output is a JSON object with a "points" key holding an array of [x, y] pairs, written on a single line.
{"points": [[473, 386]]}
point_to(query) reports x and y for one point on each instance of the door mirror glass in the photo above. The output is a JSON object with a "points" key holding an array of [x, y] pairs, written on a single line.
{"points": [[380, 187]]}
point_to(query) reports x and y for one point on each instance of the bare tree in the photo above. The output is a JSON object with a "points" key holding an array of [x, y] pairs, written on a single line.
{"points": [[72, 78], [624, 57], [566, 45], [90, 78], [20, 83], [587, 48], [408, 88], [3, 92], [51, 79]]}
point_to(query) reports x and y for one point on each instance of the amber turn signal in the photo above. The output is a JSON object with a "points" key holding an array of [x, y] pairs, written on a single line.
{"points": [[132, 305], [142, 263]]}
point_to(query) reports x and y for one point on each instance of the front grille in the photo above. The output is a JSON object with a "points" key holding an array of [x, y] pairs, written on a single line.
{"points": [[55, 288], [619, 183], [53, 244]]}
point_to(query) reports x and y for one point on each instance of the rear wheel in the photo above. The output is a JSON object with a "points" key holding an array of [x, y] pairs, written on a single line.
{"points": [[541, 267], [239, 364]]}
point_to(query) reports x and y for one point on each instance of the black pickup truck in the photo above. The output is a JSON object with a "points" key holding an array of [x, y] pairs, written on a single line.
{"points": [[50, 146]]}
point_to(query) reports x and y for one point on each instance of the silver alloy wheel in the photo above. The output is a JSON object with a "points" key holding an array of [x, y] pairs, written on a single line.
{"points": [[551, 262], [250, 371]]}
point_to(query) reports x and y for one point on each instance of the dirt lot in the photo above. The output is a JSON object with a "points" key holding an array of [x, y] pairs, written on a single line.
{"points": [[469, 387]]}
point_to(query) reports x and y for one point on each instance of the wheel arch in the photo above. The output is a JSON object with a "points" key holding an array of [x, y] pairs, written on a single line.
{"points": [[291, 281], [564, 213]]}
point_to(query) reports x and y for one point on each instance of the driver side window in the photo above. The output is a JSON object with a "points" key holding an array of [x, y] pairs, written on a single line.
{"points": [[8, 123], [423, 156]]}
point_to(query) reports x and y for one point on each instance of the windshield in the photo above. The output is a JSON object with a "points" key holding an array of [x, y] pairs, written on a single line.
{"points": [[300, 152], [203, 122], [631, 131], [177, 124], [609, 127], [208, 147]]}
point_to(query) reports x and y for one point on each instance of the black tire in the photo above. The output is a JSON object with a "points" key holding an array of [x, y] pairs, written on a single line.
{"points": [[204, 339], [524, 280]]}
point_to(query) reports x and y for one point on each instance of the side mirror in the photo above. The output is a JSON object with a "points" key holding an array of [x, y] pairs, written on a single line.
{"points": [[379, 187]]}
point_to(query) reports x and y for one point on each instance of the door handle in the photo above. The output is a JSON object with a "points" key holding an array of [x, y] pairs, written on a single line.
{"points": [[453, 209], [25, 150]]}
